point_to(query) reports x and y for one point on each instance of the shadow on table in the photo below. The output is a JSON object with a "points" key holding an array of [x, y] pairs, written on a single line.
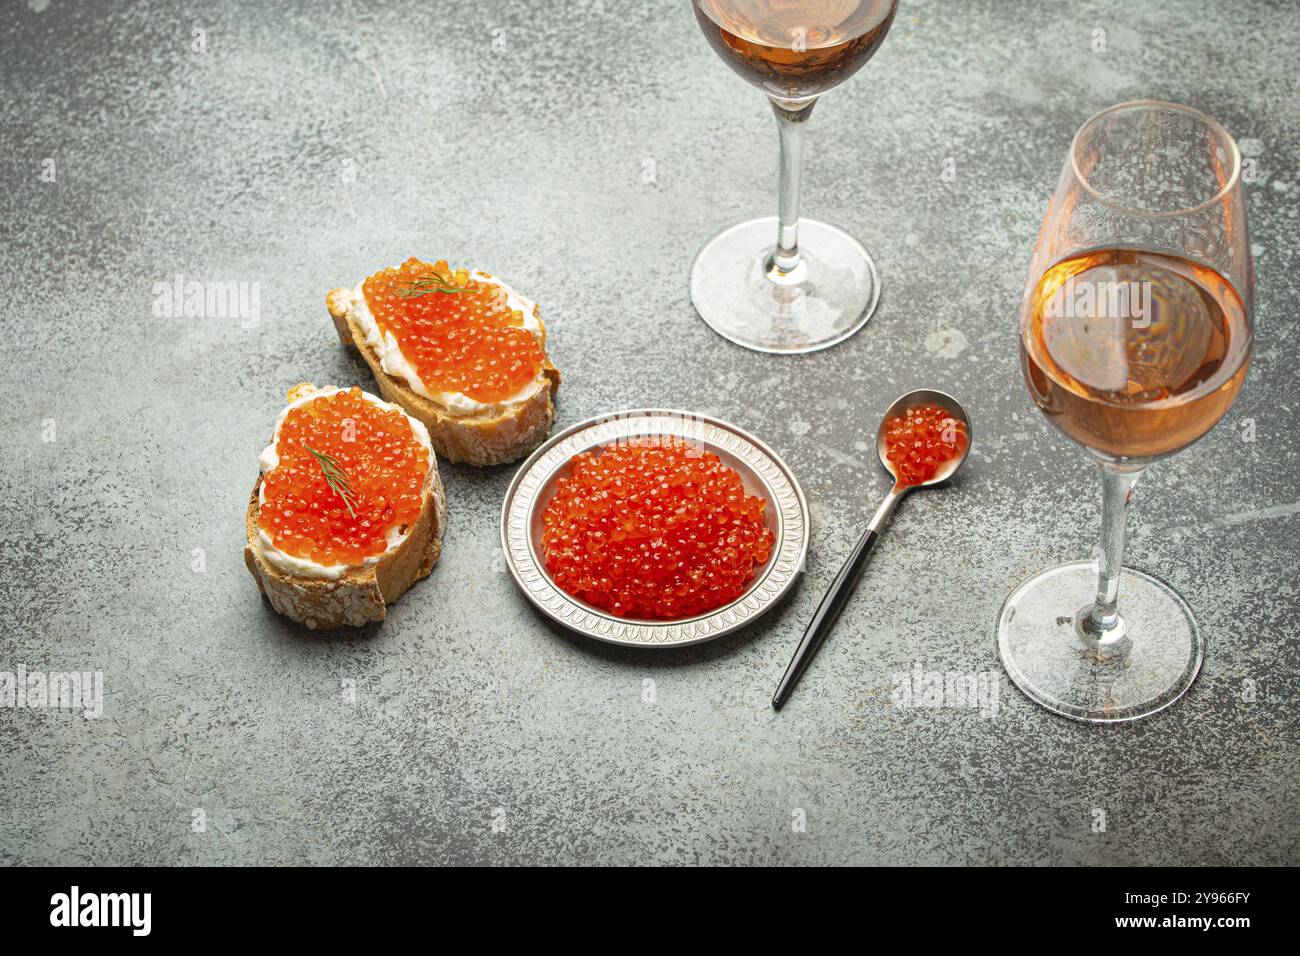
{"points": [[777, 622], [282, 628]]}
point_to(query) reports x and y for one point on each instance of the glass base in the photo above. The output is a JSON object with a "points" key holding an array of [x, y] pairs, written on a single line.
{"points": [[825, 299], [1145, 664]]}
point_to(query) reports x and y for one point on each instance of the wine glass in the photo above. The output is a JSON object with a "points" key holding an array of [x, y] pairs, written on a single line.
{"points": [[1135, 337], [779, 284]]}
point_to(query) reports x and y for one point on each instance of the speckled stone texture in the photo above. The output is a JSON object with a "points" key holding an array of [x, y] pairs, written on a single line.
{"points": [[584, 151]]}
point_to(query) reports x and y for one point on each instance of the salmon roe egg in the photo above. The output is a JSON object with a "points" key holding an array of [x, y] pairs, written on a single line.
{"points": [[383, 464], [920, 439], [457, 332], [655, 528]]}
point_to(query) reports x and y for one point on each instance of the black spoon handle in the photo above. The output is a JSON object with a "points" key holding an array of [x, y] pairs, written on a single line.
{"points": [[827, 613]]}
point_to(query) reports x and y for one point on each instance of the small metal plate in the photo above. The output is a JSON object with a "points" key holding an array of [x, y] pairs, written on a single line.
{"points": [[762, 472]]}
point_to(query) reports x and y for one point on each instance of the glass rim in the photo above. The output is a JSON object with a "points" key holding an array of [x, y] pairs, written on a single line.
{"points": [[1212, 124]]}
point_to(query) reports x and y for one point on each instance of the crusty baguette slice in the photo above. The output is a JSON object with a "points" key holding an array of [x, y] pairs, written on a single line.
{"points": [[360, 594], [477, 440]]}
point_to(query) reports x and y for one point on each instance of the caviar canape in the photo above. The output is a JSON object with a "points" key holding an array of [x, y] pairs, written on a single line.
{"points": [[654, 528], [348, 510], [459, 350]]}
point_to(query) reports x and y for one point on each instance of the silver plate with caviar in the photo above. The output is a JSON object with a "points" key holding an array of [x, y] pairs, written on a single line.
{"points": [[762, 472]]}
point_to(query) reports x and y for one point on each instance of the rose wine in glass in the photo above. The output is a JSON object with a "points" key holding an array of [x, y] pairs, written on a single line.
{"points": [[779, 283], [795, 50], [1135, 338], [1123, 383]]}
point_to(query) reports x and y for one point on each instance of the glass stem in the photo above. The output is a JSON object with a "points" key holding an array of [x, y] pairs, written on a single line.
{"points": [[1117, 483], [791, 115]]}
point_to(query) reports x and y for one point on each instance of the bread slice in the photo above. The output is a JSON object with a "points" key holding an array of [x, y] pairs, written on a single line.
{"points": [[362, 593], [491, 439]]}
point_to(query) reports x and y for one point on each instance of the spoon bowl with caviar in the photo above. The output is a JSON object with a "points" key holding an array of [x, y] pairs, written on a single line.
{"points": [[923, 439]]}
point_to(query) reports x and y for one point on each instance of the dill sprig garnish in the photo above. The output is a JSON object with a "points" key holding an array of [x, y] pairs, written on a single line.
{"points": [[426, 285], [335, 477]]}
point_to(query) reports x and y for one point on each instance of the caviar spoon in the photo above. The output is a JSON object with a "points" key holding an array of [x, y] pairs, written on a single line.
{"points": [[841, 588]]}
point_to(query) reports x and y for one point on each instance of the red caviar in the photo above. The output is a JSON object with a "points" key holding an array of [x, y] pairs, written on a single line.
{"points": [[920, 439], [457, 332], [654, 528], [384, 465]]}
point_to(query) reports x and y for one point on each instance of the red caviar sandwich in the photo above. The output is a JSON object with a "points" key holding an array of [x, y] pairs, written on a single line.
{"points": [[459, 350], [348, 510]]}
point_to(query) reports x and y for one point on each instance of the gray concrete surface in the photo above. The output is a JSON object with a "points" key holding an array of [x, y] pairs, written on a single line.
{"points": [[584, 150]]}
